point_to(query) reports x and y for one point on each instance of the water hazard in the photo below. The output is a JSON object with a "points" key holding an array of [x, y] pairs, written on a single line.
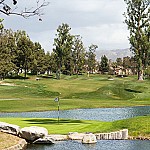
{"points": [[103, 114], [100, 145]]}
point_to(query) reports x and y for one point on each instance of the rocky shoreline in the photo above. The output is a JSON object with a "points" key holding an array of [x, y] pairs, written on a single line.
{"points": [[22, 144], [39, 135]]}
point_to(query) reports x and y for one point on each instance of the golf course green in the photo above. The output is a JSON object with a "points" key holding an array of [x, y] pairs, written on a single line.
{"points": [[96, 91]]}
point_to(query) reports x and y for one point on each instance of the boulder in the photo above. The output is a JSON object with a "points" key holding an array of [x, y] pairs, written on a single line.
{"points": [[33, 133], [44, 140], [58, 137], [89, 139], [75, 136], [124, 134], [9, 128]]}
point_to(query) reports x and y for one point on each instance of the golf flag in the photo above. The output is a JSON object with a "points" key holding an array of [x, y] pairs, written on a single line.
{"points": [[56, 99]]}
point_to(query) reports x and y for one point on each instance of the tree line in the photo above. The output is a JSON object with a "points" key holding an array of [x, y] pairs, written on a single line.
{"points": [[19, 54], [69, 56]]}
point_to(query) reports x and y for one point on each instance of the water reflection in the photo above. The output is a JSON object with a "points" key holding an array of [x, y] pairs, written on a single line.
{"points": [[104, 114], [100, 145]]}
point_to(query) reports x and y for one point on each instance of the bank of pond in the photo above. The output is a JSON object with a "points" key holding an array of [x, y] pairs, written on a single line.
{"points": [[135, 119], [100, 145]]}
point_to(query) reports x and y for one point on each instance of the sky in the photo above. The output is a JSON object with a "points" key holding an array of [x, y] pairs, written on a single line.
{"points": [[98, 22]]}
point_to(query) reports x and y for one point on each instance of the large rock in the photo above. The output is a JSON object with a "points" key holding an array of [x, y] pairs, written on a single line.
{"points": [[58, 137], [45, 140], [76, 136], [124, 134], [9, 128], [89, 139], [33, 133]]}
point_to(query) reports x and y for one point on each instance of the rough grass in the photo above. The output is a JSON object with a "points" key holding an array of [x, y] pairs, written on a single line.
{"points": [[138, 126], [74, 92]]}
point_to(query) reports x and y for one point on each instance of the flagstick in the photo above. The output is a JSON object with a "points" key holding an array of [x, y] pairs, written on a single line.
{"points": [[58, 110], [57, 100]]}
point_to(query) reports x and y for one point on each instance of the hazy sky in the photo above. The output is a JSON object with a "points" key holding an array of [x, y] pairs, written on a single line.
{"points": [[99, 22]]}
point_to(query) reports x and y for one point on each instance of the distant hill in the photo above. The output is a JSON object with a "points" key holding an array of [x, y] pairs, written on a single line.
{"points": [[114, 54]]}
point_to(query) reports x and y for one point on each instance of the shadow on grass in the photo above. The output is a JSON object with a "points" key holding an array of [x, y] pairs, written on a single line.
{"points": [[52, 121], [133, 91], [17, 77]]}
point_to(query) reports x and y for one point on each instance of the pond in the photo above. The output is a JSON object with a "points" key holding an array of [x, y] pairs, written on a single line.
{"points": [[100, 145], [103, 114]]}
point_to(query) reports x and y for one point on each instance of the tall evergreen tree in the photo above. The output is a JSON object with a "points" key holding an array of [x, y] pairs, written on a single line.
{"points": [[137, 20], [63, 48], [25, 46], [104, 64], [91, 57], [119, 62], [78, 54], [126, 62], [6, 47], [38, 64], [50, 63]]}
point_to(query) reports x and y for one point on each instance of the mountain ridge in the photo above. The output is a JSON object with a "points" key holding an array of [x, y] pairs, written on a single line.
{"points": [[114, 54]]}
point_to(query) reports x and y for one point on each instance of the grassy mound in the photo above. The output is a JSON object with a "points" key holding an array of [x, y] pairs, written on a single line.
{"points": [[74, 92]]}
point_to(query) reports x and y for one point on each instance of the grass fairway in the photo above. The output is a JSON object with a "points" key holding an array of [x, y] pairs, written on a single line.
{"points": [[83, 92], [75, 92], [139, 126]]}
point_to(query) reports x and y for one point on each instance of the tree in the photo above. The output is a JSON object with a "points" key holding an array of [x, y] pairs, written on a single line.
{"points": [[119, 62], [19, 53], [133, 65], [50, 63], [1, 25], [25, 46], [148, 38], [78, 54], [10, 8], [147, 72], [126, 62], [104, 64], [91, 57], [63, 46], [38, 59], [137, 20], [6, 46], [17, 60]]}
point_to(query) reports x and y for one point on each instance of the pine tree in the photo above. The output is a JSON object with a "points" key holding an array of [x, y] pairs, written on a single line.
{"points": [[25, 46], [63, 48], [104, 64], [78, 54], [91, 58]]}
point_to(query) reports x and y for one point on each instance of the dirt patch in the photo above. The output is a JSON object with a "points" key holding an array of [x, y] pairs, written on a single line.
{"points": [[7, 84], [10, 99], [8, 140]]}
